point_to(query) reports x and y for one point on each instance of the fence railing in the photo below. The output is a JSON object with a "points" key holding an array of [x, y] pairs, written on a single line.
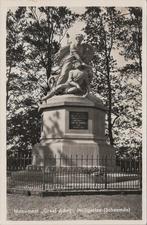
{"points": [[74, 173]]}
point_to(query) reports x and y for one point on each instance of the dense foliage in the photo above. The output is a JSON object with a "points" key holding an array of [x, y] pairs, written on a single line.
{"points": [[34, 35], [117, 36]]}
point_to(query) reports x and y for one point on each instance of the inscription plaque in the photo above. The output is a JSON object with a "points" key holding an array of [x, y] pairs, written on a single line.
{"points": [[78, 120]]}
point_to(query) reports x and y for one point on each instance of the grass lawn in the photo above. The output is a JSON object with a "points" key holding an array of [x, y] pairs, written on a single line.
{"points": [[80, 207]]}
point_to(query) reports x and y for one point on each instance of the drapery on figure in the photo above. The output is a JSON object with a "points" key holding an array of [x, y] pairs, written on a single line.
{"points": [[74, 72], [75, 52], [77, 83]]}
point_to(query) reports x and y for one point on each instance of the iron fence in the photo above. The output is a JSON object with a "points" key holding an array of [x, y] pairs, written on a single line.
{"points": [[74, 173]]}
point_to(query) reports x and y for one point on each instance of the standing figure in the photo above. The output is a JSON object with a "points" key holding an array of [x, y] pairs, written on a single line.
{"points": [[73, 72], [75, 53]]}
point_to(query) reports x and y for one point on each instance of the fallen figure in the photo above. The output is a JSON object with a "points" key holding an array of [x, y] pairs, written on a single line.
{"points": [[77, 83]]}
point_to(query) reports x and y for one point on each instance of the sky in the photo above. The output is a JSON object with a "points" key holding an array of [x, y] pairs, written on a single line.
{"points": [[77, 26]]}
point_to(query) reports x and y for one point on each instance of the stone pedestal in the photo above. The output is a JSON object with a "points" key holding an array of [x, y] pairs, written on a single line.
{"points": [[72, 127]]}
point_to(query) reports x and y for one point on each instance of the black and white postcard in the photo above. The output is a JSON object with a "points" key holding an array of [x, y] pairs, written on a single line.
{"points": [[73, 112]]}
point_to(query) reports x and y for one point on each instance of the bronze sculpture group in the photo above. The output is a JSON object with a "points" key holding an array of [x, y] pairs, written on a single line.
{"points": [[74, 72]]}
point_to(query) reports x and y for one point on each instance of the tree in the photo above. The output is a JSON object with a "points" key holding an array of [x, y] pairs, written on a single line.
{"points": [[33, 37], [44, 33], [102, 26], [130, 44], [130, 37], [127, 129], [15, 52], [113, 32]]}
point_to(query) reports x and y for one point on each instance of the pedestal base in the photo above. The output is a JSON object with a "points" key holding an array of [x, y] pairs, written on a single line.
{"points": [[73, 133]]}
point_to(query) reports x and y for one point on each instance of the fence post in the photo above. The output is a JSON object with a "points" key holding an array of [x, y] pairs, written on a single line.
{"points": [[43, 173], [106, 172], [140, 172]]}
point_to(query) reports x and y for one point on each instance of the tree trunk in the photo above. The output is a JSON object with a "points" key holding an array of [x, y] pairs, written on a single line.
{"points": [[7, 84], [49, 53], [140, 59], [109, 103]]}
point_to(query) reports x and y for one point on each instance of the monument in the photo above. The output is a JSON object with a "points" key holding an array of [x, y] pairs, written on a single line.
{"points": [[73, 120]]}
